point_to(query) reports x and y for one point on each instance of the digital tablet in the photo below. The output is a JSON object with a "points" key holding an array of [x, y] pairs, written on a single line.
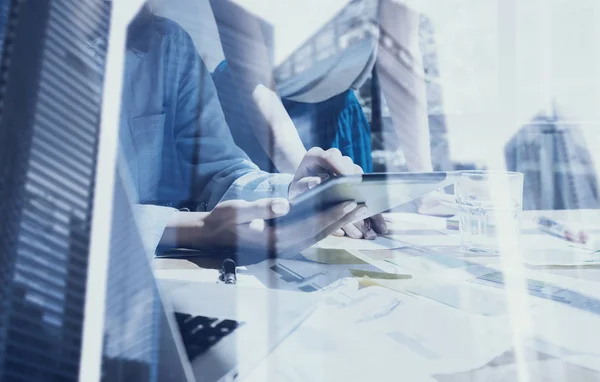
{"points": [[379, 192]]}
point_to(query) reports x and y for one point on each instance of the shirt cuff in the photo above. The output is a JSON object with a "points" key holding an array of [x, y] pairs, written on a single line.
{"points": [[151, 222]]}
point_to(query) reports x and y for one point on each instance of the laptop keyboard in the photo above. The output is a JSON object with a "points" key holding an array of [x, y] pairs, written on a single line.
{"points": [[200, 333]]}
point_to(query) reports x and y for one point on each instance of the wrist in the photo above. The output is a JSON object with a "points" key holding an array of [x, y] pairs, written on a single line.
{"points": [[185, 230]]}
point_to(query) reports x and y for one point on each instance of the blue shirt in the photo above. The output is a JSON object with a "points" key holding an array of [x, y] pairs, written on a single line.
{"points": [[174, 138]]}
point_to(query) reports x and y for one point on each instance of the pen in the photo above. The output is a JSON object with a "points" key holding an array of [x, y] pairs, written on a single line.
{"points": [[228, 272], [557, 229]]}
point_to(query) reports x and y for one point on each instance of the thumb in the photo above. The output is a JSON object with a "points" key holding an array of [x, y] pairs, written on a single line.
{"points": [[305, 184], [246, 212]]}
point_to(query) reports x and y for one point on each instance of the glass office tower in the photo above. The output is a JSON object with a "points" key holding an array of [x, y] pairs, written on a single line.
{"points": [[50, 98], [3, 18]]}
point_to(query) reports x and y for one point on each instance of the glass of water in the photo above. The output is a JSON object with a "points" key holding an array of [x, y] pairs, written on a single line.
{"points": [[490, 205]]}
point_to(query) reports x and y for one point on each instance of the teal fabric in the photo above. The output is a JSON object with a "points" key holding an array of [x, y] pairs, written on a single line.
{"points": [[337, 122]]}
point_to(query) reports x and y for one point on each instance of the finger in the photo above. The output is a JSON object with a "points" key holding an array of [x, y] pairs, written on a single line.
{"points": [[330, 161], [334, 161], [339, 233], [241, 211], [329, 220], [365, 229], [307, 183], [357, 169], [352, 231], [307, 242], [324, 177], [378, 224]]}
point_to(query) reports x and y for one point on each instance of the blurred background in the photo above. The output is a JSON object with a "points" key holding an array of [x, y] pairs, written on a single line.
{"points": [[509, 85]]}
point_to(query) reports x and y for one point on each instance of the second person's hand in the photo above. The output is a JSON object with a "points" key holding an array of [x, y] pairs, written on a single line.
{"points": [[318, 164]]}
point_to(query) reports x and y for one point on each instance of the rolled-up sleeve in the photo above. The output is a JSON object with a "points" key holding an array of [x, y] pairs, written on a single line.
{"points": [[151, 222]]}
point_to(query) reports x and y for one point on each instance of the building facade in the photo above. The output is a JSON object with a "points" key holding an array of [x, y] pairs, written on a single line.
{"points": [[51, 95], [559, 172], [354, 23]]}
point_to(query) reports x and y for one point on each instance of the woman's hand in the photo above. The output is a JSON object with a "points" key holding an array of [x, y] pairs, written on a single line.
{"points": [[319, 164]]}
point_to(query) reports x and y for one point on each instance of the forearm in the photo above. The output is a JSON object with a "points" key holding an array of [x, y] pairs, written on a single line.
{"points": [[416, 147], [283, 146], [278, 136]]}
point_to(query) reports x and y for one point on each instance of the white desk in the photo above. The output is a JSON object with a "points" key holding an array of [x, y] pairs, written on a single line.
{"points": [[476, 333]]}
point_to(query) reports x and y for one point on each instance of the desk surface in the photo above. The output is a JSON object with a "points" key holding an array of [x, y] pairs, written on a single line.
{"points": [[562, 341], [583, 217]]}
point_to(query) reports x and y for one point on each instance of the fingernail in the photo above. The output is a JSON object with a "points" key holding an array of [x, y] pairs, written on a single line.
{"points": [[370, 235], [383, 229], [355, 235], [313, 183], [280, 207], [350, 207], [362, 211]]}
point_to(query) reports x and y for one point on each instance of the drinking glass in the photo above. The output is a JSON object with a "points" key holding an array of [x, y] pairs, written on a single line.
{"points": [[490, 206]]}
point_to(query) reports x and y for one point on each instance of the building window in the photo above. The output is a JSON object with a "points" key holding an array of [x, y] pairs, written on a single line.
{"points": [[303, 59]]}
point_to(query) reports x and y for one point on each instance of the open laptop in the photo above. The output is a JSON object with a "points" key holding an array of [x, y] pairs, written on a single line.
{"points": [[225, 331], [180, 329]]}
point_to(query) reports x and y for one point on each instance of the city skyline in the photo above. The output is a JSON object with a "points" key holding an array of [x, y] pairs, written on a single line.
{"points": [[467, 34]]}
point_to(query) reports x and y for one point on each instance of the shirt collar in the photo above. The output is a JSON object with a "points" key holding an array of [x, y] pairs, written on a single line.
{"points": [[139, 35]]}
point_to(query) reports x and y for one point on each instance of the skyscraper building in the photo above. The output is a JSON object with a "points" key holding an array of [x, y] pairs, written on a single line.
{"points": [[440, 152], [558, 169], [50, 98], [3, 18], [352, 25]]}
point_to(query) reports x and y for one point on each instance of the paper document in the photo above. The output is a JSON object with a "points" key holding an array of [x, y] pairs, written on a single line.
{"points": [[300, 273], [426, 238], [573, 327], [331, 256], [332, 344], [560, 257], [374, 333], [548, 290], [416, 261], [540, 366], [459, 295], [333, 242]]}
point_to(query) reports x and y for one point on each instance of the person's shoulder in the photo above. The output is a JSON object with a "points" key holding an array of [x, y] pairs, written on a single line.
{"points": [[148, 29], [172, 32]]}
